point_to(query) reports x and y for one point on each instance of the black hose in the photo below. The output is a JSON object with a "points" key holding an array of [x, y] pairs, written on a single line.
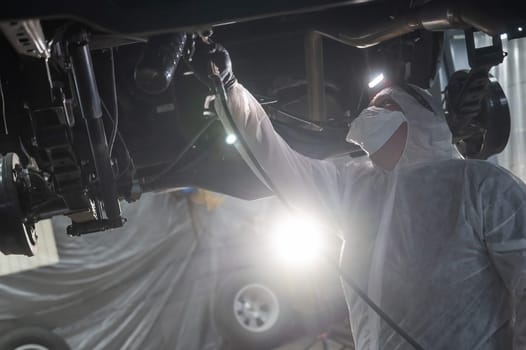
{"points": [[131, 163], [221, 94]]}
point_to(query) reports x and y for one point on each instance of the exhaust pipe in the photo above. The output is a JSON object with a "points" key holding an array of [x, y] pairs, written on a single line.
{"points": [[432, 18]]}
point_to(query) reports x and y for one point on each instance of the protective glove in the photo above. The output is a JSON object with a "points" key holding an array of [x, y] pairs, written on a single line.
{"points": [[215, 53]]}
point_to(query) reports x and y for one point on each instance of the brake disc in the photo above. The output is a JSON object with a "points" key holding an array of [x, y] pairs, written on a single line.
{"points": [[17, 235], [478, 114]]}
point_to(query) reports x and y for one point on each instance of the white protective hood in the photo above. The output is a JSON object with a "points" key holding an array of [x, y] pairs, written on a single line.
{"points": [[428, 136]]}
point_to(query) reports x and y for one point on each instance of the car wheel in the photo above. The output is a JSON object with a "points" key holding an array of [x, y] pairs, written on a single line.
{"points": [[252, 311], [32, 338]]}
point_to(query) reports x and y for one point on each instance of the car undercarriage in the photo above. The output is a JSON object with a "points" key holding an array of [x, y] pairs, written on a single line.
{"points": [[100, 102]]}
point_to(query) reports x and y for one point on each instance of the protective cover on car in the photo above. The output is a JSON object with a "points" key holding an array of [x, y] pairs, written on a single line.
{"points": [[148, 285]]}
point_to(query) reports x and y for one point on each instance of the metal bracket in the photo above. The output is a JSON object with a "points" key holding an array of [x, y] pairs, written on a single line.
{"points": [[78, 229], [483, 57], [26, 37]]}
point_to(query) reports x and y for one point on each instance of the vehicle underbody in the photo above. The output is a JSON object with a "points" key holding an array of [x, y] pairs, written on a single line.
{"points": [[100, 103]]}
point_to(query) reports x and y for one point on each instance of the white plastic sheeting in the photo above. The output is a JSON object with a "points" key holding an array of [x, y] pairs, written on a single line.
{"points": [[148, 285]]}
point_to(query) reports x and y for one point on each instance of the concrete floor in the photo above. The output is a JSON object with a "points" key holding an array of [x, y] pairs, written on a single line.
{"points": [[303, 343], [340, 340]]}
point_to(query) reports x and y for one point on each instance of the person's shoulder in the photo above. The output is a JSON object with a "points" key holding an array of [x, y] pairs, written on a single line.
{"points": [[484, 166], [492, 175], [476, 170], [477, 165]]}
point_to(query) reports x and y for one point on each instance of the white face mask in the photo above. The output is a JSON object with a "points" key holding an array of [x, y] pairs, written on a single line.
{"points": [[374, 127]]}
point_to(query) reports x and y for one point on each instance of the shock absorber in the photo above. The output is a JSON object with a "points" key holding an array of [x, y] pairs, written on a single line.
{"points": [[91, 113]]}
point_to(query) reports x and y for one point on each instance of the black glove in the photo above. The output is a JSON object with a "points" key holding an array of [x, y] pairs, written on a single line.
{"points": [[219, 56]]}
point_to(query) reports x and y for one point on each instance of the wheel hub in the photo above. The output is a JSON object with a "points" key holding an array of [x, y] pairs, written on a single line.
{"points": [[256, 308]]}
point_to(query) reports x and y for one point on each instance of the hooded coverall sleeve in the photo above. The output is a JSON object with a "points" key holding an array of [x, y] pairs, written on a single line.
{"points": [[308, 184], [504, 211]]}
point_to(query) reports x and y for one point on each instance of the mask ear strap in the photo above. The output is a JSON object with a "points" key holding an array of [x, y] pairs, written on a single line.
{"points": [[416, 95]]}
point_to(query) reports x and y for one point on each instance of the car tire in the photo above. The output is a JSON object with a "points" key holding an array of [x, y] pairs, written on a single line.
{"points": [[32, 338], [252, 311]]}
